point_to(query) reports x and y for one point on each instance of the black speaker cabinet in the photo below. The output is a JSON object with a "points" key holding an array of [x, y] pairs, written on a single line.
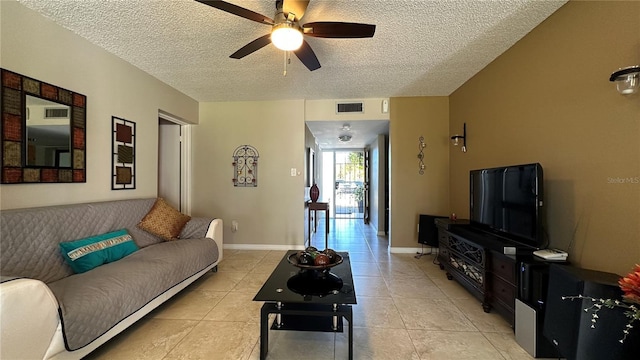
{"points": [[427, 230], [568, 326]]}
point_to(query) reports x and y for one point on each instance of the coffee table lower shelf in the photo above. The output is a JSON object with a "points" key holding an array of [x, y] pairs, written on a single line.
{"points": [[304, 317]]}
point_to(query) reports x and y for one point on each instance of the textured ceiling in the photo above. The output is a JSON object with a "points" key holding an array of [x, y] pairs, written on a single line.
{"points": [[420, 48]]}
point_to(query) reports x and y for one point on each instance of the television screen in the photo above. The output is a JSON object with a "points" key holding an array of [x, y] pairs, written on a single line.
{"points": [[506, 201]]}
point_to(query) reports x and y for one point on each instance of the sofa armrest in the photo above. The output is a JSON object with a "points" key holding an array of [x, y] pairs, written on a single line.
{"points": [[28, 318], [199, 227], [196, 228], [215, 232]]}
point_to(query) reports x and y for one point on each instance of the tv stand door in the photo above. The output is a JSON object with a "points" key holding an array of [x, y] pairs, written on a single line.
{"points": [[487, 274], [465, 262]]}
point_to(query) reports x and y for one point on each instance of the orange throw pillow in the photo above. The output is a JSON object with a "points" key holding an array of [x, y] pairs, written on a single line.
{"points": [[164, 221]]}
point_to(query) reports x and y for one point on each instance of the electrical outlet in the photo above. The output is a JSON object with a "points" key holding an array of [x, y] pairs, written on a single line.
{"points": [[234, 225], [294, 171]]}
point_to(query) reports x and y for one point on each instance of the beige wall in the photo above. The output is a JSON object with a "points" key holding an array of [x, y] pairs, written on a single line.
{"points": [[36, 47], [413, 194], [548, 100], [273, 212]]}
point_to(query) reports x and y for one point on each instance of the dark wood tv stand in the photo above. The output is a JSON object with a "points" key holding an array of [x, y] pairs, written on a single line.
{"points": [[477, 261]]}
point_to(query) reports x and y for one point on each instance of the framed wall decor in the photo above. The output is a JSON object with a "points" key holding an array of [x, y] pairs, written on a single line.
{"points": [[245, 166], [123, 161], [43, 132]]}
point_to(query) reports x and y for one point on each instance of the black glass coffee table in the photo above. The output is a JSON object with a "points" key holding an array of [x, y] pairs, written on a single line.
{"points": [[307, 300]]}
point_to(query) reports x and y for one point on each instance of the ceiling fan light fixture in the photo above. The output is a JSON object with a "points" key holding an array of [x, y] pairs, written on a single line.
{"points": [[344, 138], [286, 37]]}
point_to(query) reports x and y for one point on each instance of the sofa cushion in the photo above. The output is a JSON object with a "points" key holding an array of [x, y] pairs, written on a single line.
{"points": [[30, 238], [91, 303], [88, 253], [164, 221]]}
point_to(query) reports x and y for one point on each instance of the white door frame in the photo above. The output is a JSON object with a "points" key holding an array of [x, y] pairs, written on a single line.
{"points": [[185, 159]]}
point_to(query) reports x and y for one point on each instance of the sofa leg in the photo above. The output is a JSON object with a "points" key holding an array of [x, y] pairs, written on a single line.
{"points": [[214, 269]]}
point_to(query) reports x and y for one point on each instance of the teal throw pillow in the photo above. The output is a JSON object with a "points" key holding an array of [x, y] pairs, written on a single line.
{"points": [[88, 253]]}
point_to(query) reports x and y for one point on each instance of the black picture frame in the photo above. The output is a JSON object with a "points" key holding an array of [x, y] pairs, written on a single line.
{"points": [[123, 157]]}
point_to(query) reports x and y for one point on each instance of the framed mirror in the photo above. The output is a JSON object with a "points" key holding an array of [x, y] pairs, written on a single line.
{"points": [[43, 132], [48, 133]]}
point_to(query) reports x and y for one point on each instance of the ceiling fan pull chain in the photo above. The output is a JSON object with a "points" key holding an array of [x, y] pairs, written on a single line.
{"points": [[285, 64], [287, 61]]}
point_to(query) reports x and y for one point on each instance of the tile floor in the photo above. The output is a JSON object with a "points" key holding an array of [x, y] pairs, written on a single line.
{"points": [[407, 309]]}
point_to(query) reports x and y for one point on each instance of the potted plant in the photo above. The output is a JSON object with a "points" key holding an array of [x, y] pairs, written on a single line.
{"points": [[359, 195]]}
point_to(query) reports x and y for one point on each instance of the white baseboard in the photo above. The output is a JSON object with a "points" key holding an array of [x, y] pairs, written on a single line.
{"points": [[262, 247], [378, 231], [404, 250]]}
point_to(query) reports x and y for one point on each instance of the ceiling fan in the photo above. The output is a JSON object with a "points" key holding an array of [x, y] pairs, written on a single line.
{"points": [[287, 32]]}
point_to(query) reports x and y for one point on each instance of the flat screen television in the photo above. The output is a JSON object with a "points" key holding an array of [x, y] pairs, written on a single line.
{"points": [[507, 201]]}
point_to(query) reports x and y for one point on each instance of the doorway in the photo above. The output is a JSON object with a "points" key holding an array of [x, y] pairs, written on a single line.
{"points": [[169, 164], [174, 161], [346, 182]]}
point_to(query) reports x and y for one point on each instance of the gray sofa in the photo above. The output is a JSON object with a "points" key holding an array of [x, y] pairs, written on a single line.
{"points": [[49, 312]]}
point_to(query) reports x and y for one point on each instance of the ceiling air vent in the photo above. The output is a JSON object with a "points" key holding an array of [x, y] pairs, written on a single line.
{"points": [[351, 107], [56, 113]]}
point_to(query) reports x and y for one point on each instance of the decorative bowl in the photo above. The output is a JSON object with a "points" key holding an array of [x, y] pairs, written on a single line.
{"points": [[293, 260]]}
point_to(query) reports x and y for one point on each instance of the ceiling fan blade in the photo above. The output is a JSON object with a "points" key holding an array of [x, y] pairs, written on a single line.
{"points": [[330, 29], [298, 7], [307, 56], [239, 11], [251, 47]]}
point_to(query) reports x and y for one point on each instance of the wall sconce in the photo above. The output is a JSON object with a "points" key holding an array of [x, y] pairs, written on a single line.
{"points": [[627, 79], [421, 146], [455, 139]]}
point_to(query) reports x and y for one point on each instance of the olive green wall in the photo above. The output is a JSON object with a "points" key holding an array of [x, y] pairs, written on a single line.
{"points": [[413, 194], [548, 99]]}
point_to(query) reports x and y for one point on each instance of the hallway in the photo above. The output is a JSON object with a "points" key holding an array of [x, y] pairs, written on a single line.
{"points": [[350, 235]]}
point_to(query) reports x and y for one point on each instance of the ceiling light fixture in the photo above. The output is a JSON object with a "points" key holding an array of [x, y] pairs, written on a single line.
{"points": [[627, 79], [344, 138], [286, 36], [346, 127]]}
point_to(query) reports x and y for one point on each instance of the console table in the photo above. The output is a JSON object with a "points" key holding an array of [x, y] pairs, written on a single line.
{"points": [[315, 207], [477, 261]]}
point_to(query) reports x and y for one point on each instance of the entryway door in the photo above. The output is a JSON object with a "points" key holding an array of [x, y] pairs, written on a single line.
{"points": [[349, 184]]}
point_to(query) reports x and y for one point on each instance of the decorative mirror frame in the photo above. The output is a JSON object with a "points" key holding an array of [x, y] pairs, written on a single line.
{"points": [[14, 90]]}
